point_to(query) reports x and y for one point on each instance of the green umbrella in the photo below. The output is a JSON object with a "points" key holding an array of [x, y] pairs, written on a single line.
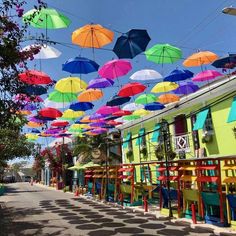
{"points": [[131, 117], [46, 18], [145, 99], [57, 96], [163, 53]]}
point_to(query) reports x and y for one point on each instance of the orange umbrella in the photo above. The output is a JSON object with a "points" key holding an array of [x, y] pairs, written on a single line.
{"points": [[90, 95], [24, 112], [34, 124], [92, 36], [200, 58], [168, 98], [87, 119]]}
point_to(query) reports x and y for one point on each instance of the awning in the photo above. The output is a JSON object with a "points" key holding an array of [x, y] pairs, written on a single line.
{"points": [[126, 140], [201, 118], [156, 133], [140, 136], [232, 113]]}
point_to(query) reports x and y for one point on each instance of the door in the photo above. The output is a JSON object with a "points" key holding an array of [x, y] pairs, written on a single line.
{"points": [[180, 125]]}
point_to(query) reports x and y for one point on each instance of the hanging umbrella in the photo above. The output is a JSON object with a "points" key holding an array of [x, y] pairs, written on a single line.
{"points": [[145, 98], [57, 105], [106, 110], [92, 36], [70, 85], [200, 58], [168, 98], [99, 130], [178, 75], [90, 95], [131, 89], [164, 87], [29, 107], [122, 113], [34, 124], [81, 106], [113, 122], [46, 18], [117, 101], [163, 53], [70, 114], [34, 90], [24, 112], [132, 107], [228, 62], [115, 68], [206, 75], [36, 120], [146, 74], [25, 99], [80, 65], [34, 77], [50, 112], [31, 136], [97, 124], [36, 131], [131, 44], [57, 96], [97, 116], [79, 126], [141, 112], [131, 117], [53, 131], [100, 83], [45, 51], [154, 106], [186, 88], [58, 123]]}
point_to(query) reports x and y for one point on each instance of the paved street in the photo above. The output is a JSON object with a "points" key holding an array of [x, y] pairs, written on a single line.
{"points": [[34, 210]]}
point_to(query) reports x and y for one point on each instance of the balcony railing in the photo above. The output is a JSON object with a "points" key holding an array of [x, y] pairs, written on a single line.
{"points": [[181, 143]]}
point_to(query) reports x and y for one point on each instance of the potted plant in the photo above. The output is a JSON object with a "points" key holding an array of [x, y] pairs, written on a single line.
{"points": [[206, 137], [171, 155], [143, 150], [159, 152], [129, 153], [234, 131]]}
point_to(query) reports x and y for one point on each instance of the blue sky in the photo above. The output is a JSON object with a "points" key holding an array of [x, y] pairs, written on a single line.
{"points": [[187, 24]]}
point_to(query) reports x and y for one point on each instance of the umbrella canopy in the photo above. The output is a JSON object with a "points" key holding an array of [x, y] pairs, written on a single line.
{"points": [[35, 90], [50, 112], [92, 36], [154, 106], [31, 136], [81, 106], [97, 116], [146, 74], [164, 87], [178, 75], [115, 68], [45, 51], [117, 101], [29, 107], [46, 18], [53, 131], [36, 131], [132, 107], [168, 98], [131, 117], [24, 99], [57, 96], [80, 65], [24, 112], [141, 112], [122, 113], [99, 130], [206, 75], [90, 95], [163, 53], [70, 114], [105, 110], [98, 124], [113, 122], [36, 119], [228, 62], [34, 124], [58, 123], [57, 105], [35, 77], [131, 43], [186, 88], [200, 58], [145, 98], [131, 89], [71, 85], [100, 83]]}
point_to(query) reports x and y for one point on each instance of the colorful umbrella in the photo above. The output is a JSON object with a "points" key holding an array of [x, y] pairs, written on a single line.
{"points": [[100, 83], [90, 95], [146, 74], [122, 113], [141, 112], [31, 136], [99, 130], [70, 114], [168, 98], [34, 124], [46, 18], [57, 105], [228, 62], [131, 43], [186, 88], [35, 131], [92, 36], [113, 122], [115, 68], [206, 75], [178, 75], [34, 77], [163, 53], [154, 106], [81, 106], [164, 87], [80, 65], [34, 90], [53, 131], [70, 85], [106, 110], [97, 116], [58, 123], [57, 96], [36, 120], [50, 112], [117, 101], [29, 107], [98, 124], [145, 98], [131, 117], [25, 99], [24, 112], [200, 58], [132, 107], [131, 89]]}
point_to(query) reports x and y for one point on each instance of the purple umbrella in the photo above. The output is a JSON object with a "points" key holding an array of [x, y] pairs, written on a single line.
{"points": [[29, 107], [100, 83], [186, 88], [98, 124], [97, 116], [37, 120], [53, 131], [99, 131]]}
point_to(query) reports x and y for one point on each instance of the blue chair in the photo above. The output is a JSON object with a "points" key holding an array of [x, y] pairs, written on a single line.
{"points": [[232, 203]]}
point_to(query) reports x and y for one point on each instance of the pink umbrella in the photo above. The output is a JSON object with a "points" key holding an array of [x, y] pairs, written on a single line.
{"points": [[99, 130], [107, 110], [23, 98], [115, 68], [206, 75], [131, 89]]}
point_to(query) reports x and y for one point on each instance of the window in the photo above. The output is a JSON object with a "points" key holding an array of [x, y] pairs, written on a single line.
{"points": [[141, 140], [208, 125]]}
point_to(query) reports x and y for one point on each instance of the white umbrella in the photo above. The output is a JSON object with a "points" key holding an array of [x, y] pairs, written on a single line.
{"points": [[57, 105], [146, 74], [132, 107], [60, 141], [46, 52]]}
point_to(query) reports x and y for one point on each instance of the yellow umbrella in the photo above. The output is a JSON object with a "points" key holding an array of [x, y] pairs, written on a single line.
{"points": [[70, 114], [92, 36], [71, 85], [141, 112], [80, 126], [164, 87], [90, 95], [31, 136]]}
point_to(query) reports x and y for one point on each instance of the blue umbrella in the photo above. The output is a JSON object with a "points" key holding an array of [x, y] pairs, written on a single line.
{"points": [[35, 90], [35, 131], [117, 101], [226, 62], [154, 106], [186, 88], [81, 106], [100, 83], [111, 118], [80, 65], [177, 75], [131, 43]]}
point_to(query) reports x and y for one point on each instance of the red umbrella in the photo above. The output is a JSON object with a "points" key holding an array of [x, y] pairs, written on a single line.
{"points": [[131, 89], [122, 113], [50, 112], [59, 123], [35, 77], [112, 122]]}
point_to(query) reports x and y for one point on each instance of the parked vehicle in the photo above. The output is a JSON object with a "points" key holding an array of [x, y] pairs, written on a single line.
{"points": [[9, 179]]}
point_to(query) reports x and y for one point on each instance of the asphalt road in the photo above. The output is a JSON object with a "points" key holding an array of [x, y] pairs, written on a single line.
{"points": [[35, 210]]}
